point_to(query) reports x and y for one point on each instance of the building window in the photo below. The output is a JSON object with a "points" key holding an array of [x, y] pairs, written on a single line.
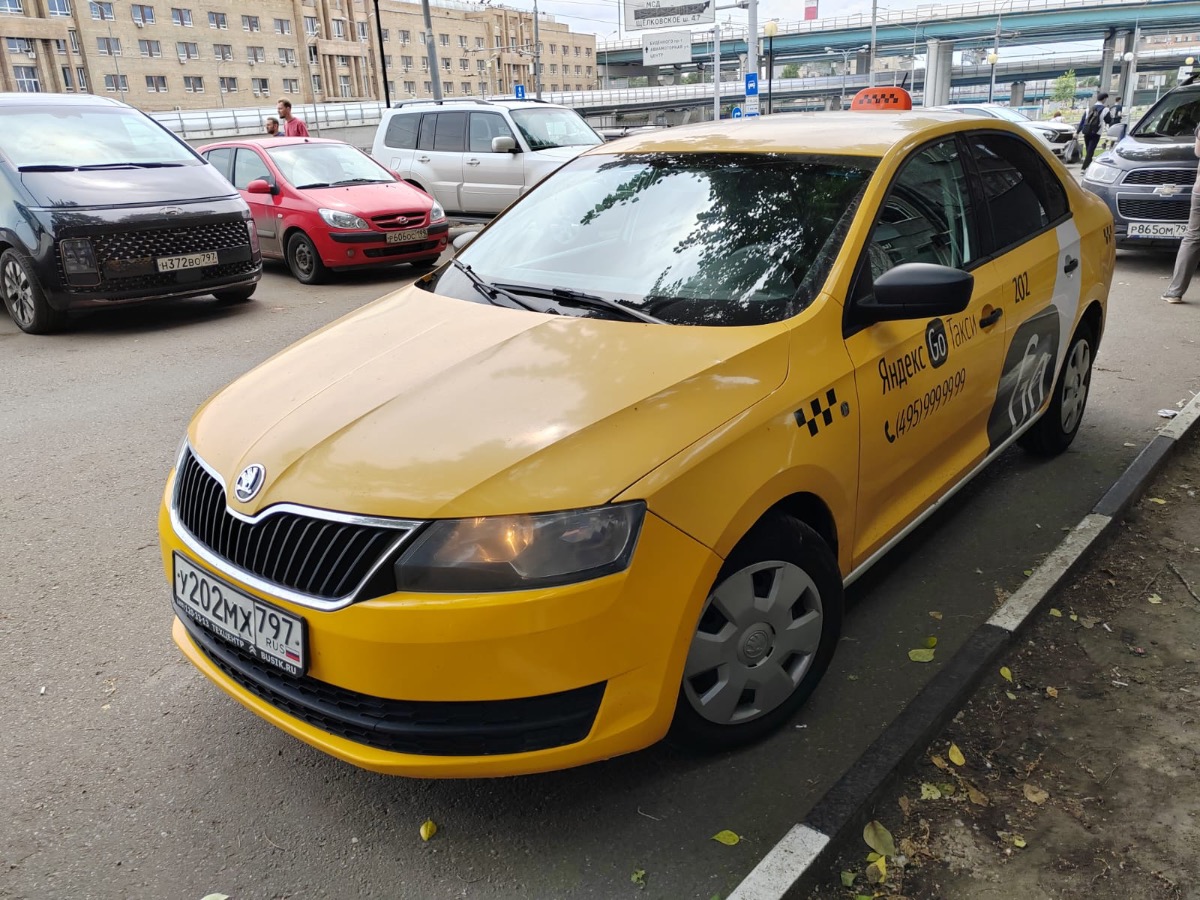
{"points": [[429, 87], [576, 51], [466, 86], [228, 84], [68, 79], [553, 49], [81, 77], [19, 45], [73, 37], [60, 47], [283, 26], [223, 51], [588, 52], [410, 87], [150, 48], [449, 87], [579, 70], [287, 56], [464, 64], [218, 20], [313, 57], [256, 54], [111, 85], [588, 70], [108, 46], [462, 41], [156, 84], [316, 84], [406, 63], [193, 84], [362, 31], [27, 79], [59, 8], [554, 66], [387, 62], [478, 43], [142, 14], [446, 64], [260, 86], [339, 29], [481, 65], [102, 11], [405, 36], [444, 40], [343, 85], [188, 50], [250, 23], [291, 85], [343, 61], [310, 26], [181, 17], [387, 34]]}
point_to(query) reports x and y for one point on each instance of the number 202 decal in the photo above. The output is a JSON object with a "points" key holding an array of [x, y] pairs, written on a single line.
{"points": [[1020, 287]]}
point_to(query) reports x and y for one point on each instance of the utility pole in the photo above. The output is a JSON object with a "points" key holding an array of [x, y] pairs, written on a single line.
{"points": [[752, 38], [431, 53], [387, 95], [537, 53], [871, 65]]}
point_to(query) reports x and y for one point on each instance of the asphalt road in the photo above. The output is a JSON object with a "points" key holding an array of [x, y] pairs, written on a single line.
{"points": [[126, 775]]}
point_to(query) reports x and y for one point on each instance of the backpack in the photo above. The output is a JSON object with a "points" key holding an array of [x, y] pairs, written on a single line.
{"points": [[1091, 125]]}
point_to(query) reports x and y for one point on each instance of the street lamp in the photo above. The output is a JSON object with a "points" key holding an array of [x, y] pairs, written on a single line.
{"points": [[993, 57], [845, 68], [770, 30]]}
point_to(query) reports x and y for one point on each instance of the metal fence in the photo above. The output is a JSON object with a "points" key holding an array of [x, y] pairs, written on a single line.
{"points": [[229, 122]]}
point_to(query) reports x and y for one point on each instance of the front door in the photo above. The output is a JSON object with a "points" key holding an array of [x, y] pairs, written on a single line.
{"points": [[491, 181], [248, 166]]}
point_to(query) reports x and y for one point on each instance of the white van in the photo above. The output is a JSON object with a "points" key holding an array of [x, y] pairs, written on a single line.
{"points": [[475, 157]]}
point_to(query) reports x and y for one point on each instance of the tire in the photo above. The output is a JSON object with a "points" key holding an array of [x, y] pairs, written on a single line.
{"points": [[741, 682], [1057, 427], [304, 261], [24, 298], [235, 295]]}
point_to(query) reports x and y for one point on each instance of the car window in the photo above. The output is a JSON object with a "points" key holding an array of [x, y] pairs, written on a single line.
{"points": [[326, 165], [450, 132], [248, 166], [401, 132], [484, 127], [546, 127], [425, 132], [1023, 195], [1175, 116], [65, 136], [222, 160], [927, 217]]}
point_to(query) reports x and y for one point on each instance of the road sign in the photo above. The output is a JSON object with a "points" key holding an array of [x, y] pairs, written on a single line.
{"points": [[666, 48], [751, 84], [737, 112], [519, 91], [667, 13], [752, 105]]}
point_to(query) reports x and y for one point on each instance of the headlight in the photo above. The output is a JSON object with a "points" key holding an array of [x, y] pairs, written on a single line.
{"points": [[1101, 173], [338, 219], [437, 214], [514, 553]]}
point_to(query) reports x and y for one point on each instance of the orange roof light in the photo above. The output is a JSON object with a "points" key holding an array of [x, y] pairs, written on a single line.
{"points": [[888, 99]]}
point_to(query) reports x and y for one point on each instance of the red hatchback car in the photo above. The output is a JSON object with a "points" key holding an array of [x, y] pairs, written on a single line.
{"points": [[321, 204]]}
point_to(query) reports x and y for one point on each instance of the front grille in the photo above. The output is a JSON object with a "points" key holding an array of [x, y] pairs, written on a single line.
{"points": [[399, 249], [158, 242], [1161, 176], [391, 221], [1059, 137], [317, 557], [423, 727], [1167, 209]]}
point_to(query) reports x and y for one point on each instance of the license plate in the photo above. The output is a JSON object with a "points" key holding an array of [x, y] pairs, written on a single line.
{"points": [[403, 237], [187, 261], [1156, 229], [274, 636]]}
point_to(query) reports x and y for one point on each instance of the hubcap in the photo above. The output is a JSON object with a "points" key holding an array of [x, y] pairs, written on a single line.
{"points": [[756, 640], [1076, 378], [304, 258], [18, 293]]}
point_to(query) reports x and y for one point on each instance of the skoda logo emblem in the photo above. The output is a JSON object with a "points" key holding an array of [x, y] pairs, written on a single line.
{"points": [[250, 482]]}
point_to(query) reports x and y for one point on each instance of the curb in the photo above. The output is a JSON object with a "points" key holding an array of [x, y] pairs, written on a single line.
{"points": [[846, 806]]}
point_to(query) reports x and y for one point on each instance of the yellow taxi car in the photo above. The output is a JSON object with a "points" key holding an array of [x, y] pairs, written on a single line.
{"points": [[604, 476]]}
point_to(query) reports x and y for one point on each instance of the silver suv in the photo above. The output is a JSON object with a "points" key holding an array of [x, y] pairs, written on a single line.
{"points": [[475, 157]]}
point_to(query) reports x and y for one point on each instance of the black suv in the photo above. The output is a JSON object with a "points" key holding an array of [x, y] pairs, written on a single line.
{"points": [[100, 205]]}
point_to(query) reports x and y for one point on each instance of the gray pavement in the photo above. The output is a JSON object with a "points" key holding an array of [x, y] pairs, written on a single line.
{"points": [[130, 776]]}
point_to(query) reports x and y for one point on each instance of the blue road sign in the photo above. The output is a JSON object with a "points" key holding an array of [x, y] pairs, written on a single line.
{"points": [[519, 91], [737, 112], [751, 84]]}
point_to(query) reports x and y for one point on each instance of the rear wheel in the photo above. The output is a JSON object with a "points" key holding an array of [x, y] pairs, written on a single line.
{"points": [[1057, 427], [304, 261], [23, 296], [235, 295], [765, 637]]}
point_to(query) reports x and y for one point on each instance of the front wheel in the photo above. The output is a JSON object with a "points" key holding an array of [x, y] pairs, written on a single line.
{"points": [[765, 637], [304, 261], [24, 298], [1057, 427]]}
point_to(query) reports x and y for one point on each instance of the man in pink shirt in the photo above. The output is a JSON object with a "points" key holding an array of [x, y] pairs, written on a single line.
{"points": [[292, 127]]}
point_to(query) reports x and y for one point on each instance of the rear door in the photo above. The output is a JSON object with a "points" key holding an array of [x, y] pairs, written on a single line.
{"points": [[438, 161], [491, 181]]}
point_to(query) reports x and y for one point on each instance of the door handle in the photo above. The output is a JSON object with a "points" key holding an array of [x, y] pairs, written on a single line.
{"points": [[426, 158], [475, 162], [991, 318], [1070, 265]]}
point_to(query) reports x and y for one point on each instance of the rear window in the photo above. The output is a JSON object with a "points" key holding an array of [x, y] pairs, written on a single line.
{"points": [[70, 138]]}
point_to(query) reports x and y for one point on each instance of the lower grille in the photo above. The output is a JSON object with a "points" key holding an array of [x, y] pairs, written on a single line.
{"points": [[422, 727], [1173, 209], [1161, 176], [172, 280], [400, 249], [155, 242]]}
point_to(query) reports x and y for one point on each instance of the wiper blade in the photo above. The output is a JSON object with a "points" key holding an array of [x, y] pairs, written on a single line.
{"points": [[130, 165], [491, 292], [313, 184], [360, 181], [48, 167], [579, 298]]}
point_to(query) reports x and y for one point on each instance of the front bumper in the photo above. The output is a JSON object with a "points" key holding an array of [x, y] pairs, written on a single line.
{"points": [[341, 249], [1148, 210], [482, 686]]}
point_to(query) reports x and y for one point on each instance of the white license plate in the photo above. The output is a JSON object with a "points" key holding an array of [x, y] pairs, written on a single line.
{"points": [[1156, 229], [404, 237], [187, 261], [262, 630]]}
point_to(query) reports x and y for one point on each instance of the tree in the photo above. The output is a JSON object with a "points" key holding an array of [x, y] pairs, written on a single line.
{"points": [[791, 70], [1064, 89]]}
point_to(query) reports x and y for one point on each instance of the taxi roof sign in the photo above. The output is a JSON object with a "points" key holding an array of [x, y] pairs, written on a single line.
{"points": [[889, 99]]}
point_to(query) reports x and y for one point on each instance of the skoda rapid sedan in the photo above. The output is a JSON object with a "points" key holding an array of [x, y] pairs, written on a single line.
{"points": [[565, 496], [322, 205]]}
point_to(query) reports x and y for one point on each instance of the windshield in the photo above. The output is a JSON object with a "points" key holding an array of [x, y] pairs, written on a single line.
{"points": [[55, 137], [1011, 115], [325, 165], [1174, 116], [554, 127], [690, 238]]}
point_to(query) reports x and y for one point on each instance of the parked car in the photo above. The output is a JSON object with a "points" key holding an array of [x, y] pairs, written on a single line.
{"points": [[565, 495], [475, 157], [323, 205], [103, 206], [1147, 177], [1058, 135]]}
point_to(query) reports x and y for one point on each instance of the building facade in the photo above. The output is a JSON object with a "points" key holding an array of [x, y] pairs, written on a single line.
{"points": [[202, 54]]}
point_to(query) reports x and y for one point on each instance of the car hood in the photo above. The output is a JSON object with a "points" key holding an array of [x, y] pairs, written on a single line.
{"points": [[1137, 149], [1053, 126], [420, 406], [124, 188], [370, 199]]}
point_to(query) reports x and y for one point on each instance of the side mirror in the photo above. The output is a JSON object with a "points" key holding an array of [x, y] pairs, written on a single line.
{"points": [[467, 236], [918, 291], [504, 144], [1117, 132], [262, 186]]}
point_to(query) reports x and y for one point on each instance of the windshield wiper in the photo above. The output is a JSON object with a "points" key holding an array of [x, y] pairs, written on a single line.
{"points": [[493, 291], [315, 184], [130, 165], [360, 181], [48, 167], [579, 298]]}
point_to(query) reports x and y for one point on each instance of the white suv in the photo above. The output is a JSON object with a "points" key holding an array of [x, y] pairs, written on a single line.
{"points": [[475, 157]]}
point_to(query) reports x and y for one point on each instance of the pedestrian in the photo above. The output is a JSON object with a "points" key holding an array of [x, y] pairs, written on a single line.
{"points": [[1057, 117], [272, 126], [293, 127], [1189, 248], [1091, 126]]}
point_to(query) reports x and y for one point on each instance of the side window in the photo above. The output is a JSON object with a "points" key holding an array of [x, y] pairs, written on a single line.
{"points": [[425, 134], [451, 133], [249, 165], [222, 161], [1024, 197], [484, 127], [401, 132], [927, 217]]}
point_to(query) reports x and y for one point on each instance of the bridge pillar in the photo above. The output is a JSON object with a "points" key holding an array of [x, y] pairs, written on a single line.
{"points": [[1016, 95], [939, 62], [1106, 63], [1128, 76]]}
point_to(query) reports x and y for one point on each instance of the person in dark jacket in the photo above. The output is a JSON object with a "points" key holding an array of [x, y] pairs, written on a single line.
{"points": [[1093, 124]]}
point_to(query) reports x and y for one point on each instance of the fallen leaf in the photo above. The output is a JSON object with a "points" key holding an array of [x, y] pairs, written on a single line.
{"points": [[939, 762], [1057, 613], [956, 755], [1006, 674], [1159, 500], [638, 877], [905, 806], [1089, 622], [1019, 842], [908, 849], [931, 642], [976, 796], [936, 615], [1052, 692], [879, 839], [921, 656], [862, 897], [947, 789], [930, 792], [877, 871], [428, 829], [872, 856], [1035, 794], [1010, 695], [848, 879], [1028, 572], [1155, 599], [1074, 617], [726, 837]]}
